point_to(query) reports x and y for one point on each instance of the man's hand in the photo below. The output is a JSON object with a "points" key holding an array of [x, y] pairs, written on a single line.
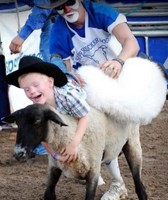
{"points": [[112, 68], [16, 45]]}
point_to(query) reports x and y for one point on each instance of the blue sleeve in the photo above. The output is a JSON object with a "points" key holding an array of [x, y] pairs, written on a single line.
{"points": [[60, 39], [35, 21], [103, 15]]}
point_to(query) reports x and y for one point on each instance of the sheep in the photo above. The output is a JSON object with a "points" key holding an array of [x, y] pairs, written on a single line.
{"points": [[104, 139]]}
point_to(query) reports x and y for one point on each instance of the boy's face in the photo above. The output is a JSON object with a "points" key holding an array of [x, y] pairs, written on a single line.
{"points": [[37, 87]]}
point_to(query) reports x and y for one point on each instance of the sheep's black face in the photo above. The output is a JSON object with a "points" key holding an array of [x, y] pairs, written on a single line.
{"points": [[31, 131], [33, 128]]}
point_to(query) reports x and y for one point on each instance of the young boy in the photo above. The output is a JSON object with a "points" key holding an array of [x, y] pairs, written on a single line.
{"points": [[43, 83]]}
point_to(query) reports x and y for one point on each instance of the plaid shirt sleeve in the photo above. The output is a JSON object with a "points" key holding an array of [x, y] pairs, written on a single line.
{"points": [[72, 100], [76, 100], [78, 106]]}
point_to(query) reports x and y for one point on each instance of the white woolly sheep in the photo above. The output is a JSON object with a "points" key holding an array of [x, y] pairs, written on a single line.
{"points": [[137, 95], [103, 141]]}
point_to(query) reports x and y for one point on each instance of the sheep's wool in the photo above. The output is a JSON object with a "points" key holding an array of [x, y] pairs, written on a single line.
{"points": [[138, 95]]}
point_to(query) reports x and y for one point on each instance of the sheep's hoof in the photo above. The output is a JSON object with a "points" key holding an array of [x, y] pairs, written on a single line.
{"points": [[117, 191]]}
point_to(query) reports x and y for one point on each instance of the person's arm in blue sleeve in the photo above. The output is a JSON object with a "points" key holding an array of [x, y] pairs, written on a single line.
{"points": [[35, 21]]}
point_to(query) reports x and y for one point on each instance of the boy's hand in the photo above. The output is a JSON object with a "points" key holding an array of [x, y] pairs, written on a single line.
{"points": [[70, 153], [80, 80]]}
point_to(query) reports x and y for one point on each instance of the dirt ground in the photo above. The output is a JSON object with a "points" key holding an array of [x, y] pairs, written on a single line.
{"points": [[27, 181]]}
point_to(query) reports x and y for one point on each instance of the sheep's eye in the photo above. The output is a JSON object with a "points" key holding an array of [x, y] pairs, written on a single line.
{"points": [[37, 122]]}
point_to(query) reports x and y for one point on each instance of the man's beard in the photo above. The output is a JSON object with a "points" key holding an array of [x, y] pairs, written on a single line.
{"points": [[71, 18]]}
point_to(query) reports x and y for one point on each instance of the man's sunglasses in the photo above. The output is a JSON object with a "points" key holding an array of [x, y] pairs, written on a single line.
{"points": [[68, 3]]}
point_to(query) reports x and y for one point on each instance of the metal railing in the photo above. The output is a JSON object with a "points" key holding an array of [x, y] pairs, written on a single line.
{"points": [[142, 9]]}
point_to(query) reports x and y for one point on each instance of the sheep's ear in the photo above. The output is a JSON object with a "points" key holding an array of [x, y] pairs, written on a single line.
{"points": [[8, 119], [12, 117], [55, 118]]}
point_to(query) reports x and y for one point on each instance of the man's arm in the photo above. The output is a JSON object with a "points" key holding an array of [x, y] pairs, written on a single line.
{"points": [[128, 41], [130, 48]]}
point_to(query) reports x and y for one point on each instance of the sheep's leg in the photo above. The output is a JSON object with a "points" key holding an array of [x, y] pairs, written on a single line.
{"points": [[54, 175], [91, 185], [133, 153]]}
